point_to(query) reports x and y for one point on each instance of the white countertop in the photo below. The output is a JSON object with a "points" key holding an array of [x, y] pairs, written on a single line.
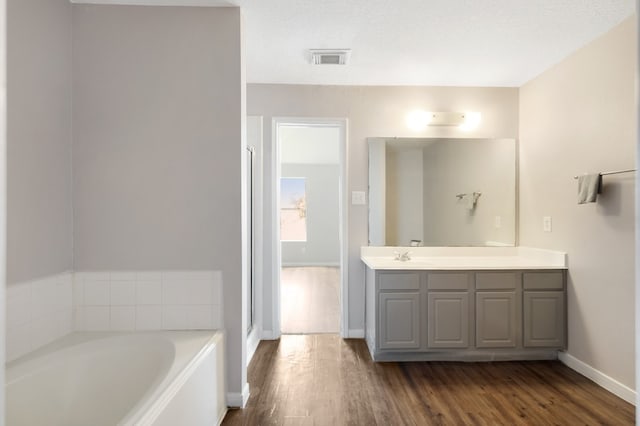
{"points": [[463, 258]]}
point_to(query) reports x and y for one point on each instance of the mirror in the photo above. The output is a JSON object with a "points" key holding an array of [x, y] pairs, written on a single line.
{"points": [[442, 192]]}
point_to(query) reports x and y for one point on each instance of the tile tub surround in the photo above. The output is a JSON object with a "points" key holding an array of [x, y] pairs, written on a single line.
{"points": [[458, 258], [43, 310], [154, 300], [38, 312]]}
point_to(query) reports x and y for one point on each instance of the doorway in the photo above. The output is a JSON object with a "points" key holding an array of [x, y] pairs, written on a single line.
{"points": [[310, 226]]}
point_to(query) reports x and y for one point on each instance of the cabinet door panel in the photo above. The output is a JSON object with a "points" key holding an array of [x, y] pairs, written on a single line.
{"points": [[399, 320], [544, 322], [496, 320], [448, 320]]}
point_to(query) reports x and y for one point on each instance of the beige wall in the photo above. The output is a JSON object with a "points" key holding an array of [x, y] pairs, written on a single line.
{"points": [[39, 228], [157, 147], [577, 117], [372, 111]]}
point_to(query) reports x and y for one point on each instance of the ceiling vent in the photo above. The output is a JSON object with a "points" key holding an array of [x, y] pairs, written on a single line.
{"points": [[329, 56]]}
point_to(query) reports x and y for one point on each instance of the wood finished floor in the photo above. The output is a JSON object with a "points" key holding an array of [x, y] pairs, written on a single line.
{"points": [[325, 380], [310, 300]]}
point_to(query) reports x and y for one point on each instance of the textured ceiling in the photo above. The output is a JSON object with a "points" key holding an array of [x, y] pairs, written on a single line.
{"points": [[420, 42], [413, 42]]}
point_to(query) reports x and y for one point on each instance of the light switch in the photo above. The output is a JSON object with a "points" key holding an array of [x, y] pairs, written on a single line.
{"points": [[546, 223], [358, 198]]}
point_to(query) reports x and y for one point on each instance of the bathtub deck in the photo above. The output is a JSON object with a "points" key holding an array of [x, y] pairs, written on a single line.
{"points": [[322, 379]]}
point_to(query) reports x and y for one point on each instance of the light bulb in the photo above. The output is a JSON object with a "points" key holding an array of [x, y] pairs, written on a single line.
{"points": [[471, 121], [418, 120]]}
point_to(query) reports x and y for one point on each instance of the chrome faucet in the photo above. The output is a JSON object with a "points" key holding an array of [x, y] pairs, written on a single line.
{"points": [[402, 256]]}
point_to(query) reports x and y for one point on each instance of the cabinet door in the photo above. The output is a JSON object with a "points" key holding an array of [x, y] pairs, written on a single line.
{"points": [[399, 320], [448, 319], [496, 320], [544, 319]]}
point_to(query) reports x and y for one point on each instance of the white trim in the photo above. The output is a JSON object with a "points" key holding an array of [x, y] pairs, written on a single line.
{"points": [[238, 400], [609, 383], [268, 335], [303, 264], [355, 333], [342, 124], [253, 340], [199, 3]]}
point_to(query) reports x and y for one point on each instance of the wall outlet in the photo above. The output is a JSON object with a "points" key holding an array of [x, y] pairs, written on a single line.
{"points": [[358, 198], [546, 223]]}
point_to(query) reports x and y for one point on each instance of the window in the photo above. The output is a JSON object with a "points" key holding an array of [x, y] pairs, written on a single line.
{"points": [[293, 209]]}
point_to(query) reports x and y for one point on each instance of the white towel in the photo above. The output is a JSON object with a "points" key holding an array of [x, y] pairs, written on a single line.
{"points": [[589, 187]]}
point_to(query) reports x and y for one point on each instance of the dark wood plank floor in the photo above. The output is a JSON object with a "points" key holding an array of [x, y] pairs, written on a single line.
{"points": [[325, 380]]}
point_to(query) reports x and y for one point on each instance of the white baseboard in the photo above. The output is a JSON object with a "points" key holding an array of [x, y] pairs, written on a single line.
{"points": [[238, 400], [355, 333], [303, 264], [252, 343], [268, 335], [610, 384]]}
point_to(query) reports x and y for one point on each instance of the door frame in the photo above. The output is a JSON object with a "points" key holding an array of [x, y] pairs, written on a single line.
{"points": [[342, 124]]}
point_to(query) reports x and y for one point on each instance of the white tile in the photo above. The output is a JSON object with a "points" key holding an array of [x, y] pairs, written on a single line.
{"points": [[199, 292], [92, 276], [79, 315], [96, 318], [96, 293], [149, 276], [216, 288], [64, 293], [216, 317], [148, 293], [123, 293], [65, 321], [43, 298], [78, 292], [123, 318], [174, 292], [187, 275], [44, 330], [199, 317], [18, 341], [122, 276], [18, 304], [175, 317], [149, 317], [187, 292]]}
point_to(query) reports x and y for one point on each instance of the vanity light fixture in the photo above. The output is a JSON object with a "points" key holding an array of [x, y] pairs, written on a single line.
{"points": [[418, 120]]}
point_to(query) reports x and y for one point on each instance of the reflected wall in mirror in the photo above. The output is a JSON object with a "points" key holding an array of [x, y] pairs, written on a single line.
{"points": [[442, 192]]}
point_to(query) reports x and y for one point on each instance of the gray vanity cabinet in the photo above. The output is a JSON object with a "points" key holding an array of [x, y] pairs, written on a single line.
{"points": [[464, 314], [448, 310], [399, 310], [497, 322], [544, 310]]}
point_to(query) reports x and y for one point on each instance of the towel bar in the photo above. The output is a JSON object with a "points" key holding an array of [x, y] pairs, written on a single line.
{"points": [[613, 173]]}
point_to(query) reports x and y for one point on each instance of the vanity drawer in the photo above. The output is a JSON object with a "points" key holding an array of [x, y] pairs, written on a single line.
{"points": [[399, 281], [543, 280], [444, 281], [496, 280]]}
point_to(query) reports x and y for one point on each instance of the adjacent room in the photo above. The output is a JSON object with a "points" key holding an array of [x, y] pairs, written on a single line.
{"points": [[284, 212]]}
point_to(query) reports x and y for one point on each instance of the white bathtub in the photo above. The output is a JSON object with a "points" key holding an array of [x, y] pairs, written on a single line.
{"points": [[156, 378]]}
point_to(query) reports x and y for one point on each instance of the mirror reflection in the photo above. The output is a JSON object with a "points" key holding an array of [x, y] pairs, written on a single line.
{"points": [[442, 192]]}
